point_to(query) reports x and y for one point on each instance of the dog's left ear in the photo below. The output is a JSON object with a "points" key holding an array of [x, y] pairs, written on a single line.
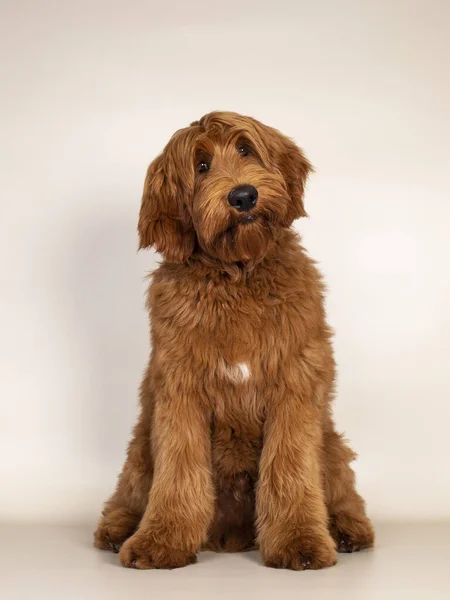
{"points": [[295, 168]]}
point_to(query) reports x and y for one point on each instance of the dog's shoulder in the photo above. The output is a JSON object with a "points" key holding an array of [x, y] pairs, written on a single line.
{"points": [[170, 288]]}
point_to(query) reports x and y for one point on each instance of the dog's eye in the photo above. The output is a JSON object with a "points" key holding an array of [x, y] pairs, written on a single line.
{"points": [[243, 150], [203, 167]]}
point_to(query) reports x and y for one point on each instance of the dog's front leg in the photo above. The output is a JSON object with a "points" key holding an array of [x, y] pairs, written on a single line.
{"points": [[181, 499], [291, 512]]}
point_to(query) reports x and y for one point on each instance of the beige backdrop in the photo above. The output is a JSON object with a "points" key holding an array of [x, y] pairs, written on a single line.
{"points": [[91, 91]]}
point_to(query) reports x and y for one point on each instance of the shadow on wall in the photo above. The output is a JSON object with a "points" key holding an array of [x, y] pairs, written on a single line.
{"points": [[104, 281]]}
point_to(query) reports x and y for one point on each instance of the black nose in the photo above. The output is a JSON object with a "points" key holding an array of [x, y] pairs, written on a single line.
{"points": [[243, 197]]}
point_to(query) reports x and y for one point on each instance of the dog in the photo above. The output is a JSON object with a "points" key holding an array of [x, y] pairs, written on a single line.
{"points": [[235, 446]]}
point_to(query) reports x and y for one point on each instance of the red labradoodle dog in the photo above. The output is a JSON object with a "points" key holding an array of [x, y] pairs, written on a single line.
{"points": [[235, 445]]}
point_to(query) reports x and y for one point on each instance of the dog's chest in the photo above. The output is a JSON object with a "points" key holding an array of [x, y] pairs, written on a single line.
{"points": [[241, 330], [245, 332], [231, 335]]}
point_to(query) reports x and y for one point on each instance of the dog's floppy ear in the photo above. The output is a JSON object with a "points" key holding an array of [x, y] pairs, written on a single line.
{"points": [[164, 221], [295, 168]]}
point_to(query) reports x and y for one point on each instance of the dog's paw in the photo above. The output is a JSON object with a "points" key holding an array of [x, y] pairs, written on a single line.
{"points": [[352, 534], [115, 526], [140, 551], [302, 554]]}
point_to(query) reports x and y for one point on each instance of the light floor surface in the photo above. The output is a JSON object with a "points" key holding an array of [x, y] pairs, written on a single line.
{"points": [[411, 561]]}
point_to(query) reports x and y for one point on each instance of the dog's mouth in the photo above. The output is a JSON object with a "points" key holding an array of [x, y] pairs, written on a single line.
{"points": [[247, 219], [246, 237], [252, 222]]}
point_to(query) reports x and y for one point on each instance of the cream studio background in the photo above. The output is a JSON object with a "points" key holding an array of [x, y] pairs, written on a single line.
{"points": [[91, 92]]}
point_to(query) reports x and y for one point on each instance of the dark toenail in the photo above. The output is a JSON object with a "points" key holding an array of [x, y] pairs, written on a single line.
{"points": [[115, 547], [345, 545]]}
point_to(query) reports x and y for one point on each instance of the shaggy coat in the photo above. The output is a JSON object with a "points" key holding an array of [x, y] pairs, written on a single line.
{"points": [[235, 446]]}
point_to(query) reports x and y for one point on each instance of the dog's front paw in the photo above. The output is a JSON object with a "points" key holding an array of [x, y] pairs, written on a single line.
{"points": [[141, 551], [302, 553]]}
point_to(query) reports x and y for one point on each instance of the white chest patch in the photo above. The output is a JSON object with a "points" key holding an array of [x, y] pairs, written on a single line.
{"points": [[238, 373], [245, 371]]}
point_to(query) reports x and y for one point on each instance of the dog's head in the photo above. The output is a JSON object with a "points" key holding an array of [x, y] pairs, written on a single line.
{"points": [[225, 185]]}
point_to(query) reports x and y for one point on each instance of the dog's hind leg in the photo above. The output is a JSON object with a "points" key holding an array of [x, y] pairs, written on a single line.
{"points": [[348, 523], [123, 511]]}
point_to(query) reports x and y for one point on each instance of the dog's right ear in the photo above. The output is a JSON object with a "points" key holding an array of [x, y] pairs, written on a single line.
{"points": [[164, 221]]}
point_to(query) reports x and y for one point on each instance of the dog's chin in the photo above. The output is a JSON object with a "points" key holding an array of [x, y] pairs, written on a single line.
{"points": [[247, 239]]}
